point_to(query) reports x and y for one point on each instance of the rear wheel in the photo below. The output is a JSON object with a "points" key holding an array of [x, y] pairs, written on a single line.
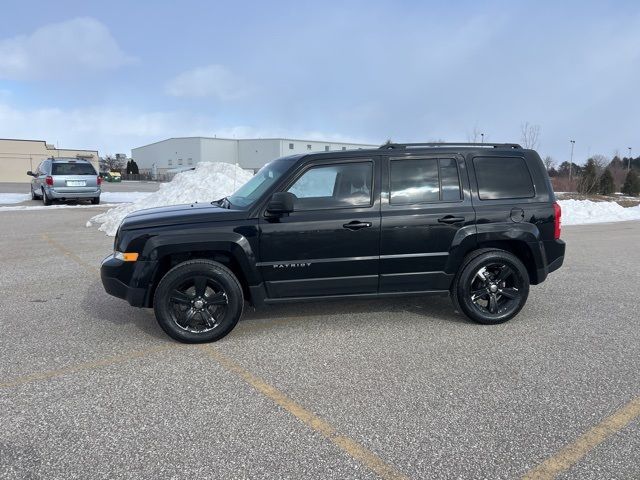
{"points": [[34, 196], [45, 199], [95, 200], [198, 301], [492, 287]]}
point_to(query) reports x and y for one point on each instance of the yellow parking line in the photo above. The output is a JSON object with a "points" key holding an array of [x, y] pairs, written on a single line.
{"points": [[69, 254], [46, 375], [349, 446], [572, 453]]}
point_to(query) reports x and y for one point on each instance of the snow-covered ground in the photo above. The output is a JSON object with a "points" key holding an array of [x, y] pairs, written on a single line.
{"points": [[122, 197], [209, 181], [10, 198], [105, 197], [577, 212], [56, 206]]}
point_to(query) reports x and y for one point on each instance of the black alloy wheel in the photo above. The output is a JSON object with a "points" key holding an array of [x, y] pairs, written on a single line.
{"points": [[492, 286], [198, 305], [198, 301], [495, 288]]}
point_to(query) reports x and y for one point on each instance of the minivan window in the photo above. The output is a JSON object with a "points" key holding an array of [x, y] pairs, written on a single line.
{"points": [[424, 180], [334, 186], [503, 178], [72, 169]]}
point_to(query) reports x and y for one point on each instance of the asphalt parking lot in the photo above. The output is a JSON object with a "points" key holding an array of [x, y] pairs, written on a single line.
{"points": [[402, 388]]}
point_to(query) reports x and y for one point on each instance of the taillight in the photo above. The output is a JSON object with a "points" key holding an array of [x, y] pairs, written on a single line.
{"points": [[49, 180], [99, 181], [557, 214]]}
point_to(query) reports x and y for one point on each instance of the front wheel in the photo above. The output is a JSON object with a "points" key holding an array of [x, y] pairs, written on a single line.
{"points": [[198, 301], [492, 287]]}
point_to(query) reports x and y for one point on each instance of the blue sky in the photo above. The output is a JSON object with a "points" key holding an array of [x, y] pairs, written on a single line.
{"points": [[116, 75]]}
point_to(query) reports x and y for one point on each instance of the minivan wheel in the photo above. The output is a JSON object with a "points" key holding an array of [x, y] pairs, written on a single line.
{"points": [[492, 287], [198, 301], [95, 201], [45, 199]]}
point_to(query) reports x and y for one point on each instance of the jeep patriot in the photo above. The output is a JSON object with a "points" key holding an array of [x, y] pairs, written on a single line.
{"points": [[478, 222]]}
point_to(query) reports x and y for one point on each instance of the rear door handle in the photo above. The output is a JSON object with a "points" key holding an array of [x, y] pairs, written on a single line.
{"points": [[450, 219], [356, 225]]}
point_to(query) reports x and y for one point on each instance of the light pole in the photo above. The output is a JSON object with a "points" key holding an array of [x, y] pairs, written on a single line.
{"points": [[573, 142], [482, 137], [629, 163]]}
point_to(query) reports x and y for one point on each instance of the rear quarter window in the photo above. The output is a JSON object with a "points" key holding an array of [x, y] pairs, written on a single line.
{"points": [[73, 169], [503, 178]]}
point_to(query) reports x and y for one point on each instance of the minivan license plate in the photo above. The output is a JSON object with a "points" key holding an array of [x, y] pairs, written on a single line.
{"points": [[76, 183]]}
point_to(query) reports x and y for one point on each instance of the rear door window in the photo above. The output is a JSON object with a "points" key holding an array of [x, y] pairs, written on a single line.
{"points": [[424, 180], [73, 169], [503, 178]]}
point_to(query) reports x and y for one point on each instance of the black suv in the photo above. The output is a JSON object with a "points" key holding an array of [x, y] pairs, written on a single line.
{"points": [[476, 221]]}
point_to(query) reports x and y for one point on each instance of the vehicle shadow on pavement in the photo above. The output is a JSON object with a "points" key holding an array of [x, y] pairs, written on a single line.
{"points": [[102, 307], [434, 307]]}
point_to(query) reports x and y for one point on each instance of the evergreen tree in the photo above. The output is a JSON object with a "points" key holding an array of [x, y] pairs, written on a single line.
{"points": [[631, 184], [134, 167], [589, 179], [607, 187]]}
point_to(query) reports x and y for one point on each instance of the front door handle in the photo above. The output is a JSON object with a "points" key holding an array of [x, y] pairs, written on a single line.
{"points": [[356, 225], [450, 219]]}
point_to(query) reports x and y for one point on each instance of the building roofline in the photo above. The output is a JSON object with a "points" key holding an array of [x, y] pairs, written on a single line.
{"points": [[260, 138], [46, 145]]}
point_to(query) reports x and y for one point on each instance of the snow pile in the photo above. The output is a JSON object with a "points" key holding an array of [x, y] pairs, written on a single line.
{"points": [[209, 181], [8, 198], [576, 212]]}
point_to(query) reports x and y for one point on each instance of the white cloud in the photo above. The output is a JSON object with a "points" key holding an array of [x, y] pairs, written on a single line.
{"points": [[65, 49], [215, 81]]}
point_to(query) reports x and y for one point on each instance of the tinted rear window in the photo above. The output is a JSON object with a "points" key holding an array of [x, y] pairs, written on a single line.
{"points": [[73, 169], [503, 177], [424, 180]]}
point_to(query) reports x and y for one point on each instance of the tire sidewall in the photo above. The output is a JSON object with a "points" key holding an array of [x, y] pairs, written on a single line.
{"points": [[463, 286], [180, 274]]}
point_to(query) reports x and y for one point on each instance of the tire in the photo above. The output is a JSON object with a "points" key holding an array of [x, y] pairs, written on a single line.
{"points": [[491, 287], [95, 201], [45, 199], [192, 312], [33, 195]]}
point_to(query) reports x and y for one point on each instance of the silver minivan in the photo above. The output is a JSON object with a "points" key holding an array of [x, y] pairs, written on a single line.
{"points": [[65, 179]]}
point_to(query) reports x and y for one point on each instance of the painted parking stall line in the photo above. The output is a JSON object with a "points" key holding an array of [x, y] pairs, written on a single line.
{"points": [[574, 452], [313, 421]]}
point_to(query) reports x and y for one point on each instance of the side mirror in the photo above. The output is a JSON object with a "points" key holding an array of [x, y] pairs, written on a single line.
{"points": [[30, 173], [281, 202]]}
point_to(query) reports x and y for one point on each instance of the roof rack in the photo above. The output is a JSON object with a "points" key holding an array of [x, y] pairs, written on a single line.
{"points": [[403, 146]]}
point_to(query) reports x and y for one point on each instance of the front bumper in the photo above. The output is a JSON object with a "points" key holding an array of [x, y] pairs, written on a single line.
{"points": [[130, 281]]}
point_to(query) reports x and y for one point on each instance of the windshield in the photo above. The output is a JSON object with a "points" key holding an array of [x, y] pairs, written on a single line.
{"points": [[260, 183]]}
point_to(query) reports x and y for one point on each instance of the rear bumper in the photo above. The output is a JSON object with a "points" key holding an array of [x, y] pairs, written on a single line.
{"points": [[550, 259], [127, 280], [58, 194]]}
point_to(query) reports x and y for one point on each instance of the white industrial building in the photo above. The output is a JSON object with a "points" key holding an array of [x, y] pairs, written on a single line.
{"points": [[175, 154]]}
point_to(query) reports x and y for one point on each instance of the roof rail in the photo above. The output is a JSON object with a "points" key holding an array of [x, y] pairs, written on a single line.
{"points": [[403, 146]]}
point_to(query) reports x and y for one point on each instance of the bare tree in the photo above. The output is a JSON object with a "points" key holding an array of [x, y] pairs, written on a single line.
{"points": [[601, 162], [530, 135], [112, 163], [548, 162], [475, 135]]}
